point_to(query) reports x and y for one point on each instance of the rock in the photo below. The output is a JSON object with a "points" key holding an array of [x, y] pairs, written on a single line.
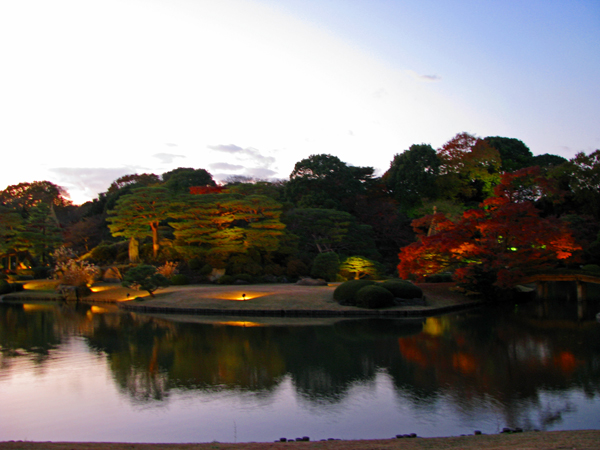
{"points": [[311, 282]]}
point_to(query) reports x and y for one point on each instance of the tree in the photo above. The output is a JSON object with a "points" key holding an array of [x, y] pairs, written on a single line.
{"points": [[492, 247], [145, 277], [469, 168], [324, 181], [180, 180], [139, 214], [412, 175], [580, 176], [326, 265], [23, 196], [359, 266], [40, 233], [548, 161], [226, 223], [325, 230], [132, 181], [514, 153]]}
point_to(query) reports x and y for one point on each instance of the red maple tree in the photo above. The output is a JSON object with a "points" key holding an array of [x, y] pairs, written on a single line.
{"points": [[491, 248]]}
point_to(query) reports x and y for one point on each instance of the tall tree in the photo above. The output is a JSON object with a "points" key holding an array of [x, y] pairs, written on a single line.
{"points": [[469, 168], [412, 175], [40, 234], [514, 153], [580, 177], [224, 224], [24, 196], [139, 214], [180, 180], [324, 181]]}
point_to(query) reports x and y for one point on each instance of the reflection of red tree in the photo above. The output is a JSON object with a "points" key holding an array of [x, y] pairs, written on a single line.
{"points": [[566, 361], [465, 363]]}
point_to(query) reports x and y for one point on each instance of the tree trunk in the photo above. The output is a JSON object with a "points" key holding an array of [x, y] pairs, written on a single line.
{"points": [[154, 227], [134, 250]]}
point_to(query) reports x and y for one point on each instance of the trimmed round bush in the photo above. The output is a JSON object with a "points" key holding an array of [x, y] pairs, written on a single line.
{"points": [[345, 293], [180, 280], [374, 297], [402, 289]]}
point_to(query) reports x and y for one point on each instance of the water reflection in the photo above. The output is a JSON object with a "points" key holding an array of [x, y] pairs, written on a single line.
{"points": [[524, 366]]}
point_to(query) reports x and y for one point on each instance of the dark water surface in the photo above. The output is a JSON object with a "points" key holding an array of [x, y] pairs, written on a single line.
{"points": [[91, 373]]}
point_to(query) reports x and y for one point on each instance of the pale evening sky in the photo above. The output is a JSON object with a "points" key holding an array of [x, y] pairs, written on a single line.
{"points": [[91, 90]]}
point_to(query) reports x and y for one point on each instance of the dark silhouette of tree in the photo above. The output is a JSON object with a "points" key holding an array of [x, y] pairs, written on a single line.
{"points": [[180, 180], [324, 181], [514, 153], [412, 175]]}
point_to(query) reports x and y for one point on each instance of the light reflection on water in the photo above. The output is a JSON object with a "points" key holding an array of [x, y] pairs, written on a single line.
{"points": [[85, 374]]}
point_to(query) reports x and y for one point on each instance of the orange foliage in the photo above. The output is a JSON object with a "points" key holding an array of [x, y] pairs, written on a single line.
{"points": [[201, 190], [492, 247]]}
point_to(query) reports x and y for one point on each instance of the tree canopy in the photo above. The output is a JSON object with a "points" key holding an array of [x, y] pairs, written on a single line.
{"points": [[491, 247]]}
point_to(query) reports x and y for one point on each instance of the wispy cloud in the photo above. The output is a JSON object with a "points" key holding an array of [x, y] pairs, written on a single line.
{"points": [[421, 77], [244, 154], [167, 158], [225, 166], [252, 162]]}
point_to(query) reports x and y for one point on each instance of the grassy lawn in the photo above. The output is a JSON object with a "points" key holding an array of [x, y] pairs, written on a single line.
{"points": [[237, 297]]}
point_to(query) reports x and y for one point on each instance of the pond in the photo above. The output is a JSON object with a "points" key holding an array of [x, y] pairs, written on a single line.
{"points": [[93, 373]]}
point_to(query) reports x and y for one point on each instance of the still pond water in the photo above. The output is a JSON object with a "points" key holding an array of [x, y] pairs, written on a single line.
{"points": [[92, 373]]}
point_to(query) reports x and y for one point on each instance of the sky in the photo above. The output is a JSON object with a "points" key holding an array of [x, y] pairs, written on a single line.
{"points": [[91, 90]]}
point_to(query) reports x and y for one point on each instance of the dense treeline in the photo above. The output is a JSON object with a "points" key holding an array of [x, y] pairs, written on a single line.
{"points": [[324, 214]]}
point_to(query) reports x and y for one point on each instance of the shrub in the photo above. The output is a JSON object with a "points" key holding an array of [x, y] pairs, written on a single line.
{"points": [[206, 270], [345, 293], [168, 269], [7, 288], [41, 272], [296, 268], [326, 266], [180, 280], [591, 268], [104, 253], [243, 277], [374, 297], [402, 289], [443, 277], [226, 279], [195, 264], [145, 277]]}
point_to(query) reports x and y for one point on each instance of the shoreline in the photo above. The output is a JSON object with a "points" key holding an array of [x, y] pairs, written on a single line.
{"points": [[541, 440]]}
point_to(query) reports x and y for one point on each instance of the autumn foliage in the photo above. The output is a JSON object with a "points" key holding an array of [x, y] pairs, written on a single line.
{"points": [[491, 248]]}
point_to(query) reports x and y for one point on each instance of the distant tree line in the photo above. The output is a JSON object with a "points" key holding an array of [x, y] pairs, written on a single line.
{"points": [[321, 219]]}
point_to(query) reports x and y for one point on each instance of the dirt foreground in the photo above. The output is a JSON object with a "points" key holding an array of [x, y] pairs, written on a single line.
{"points": [[550, 440]]}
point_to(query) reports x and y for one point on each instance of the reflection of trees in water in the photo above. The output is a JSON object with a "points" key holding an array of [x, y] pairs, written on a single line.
{"points": [[501, 359], [495, 359]]}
